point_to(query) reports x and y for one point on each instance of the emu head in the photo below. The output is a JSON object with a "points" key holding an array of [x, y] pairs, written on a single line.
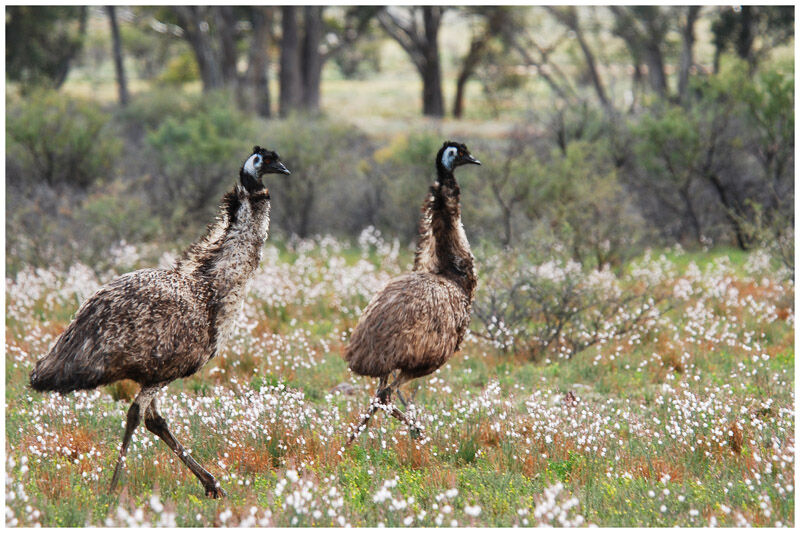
{"points": [[452, 155], [262, 161]]}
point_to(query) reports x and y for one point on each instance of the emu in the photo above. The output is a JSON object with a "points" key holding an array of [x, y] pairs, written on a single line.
{"points": [[154, 326], [418, 320]]}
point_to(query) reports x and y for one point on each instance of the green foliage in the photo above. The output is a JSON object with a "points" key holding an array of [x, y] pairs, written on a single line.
{"points": [[41, 41], [198, 155], [59, 140], [668, 145], [587, 206], [150, 50], [727, 159], [180, 69], [326, 185], [399, 177]]}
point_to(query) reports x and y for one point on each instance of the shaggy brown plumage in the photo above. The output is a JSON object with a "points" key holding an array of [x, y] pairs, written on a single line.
{"points": [[417, 322], [154, 326]]}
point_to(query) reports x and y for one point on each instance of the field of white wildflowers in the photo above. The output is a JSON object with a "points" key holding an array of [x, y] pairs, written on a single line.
{"points": [[684, 418]]}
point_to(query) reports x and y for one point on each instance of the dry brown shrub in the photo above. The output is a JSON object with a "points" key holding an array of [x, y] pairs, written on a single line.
{"points": [[487, 435], [411, 453], [124, 389], [440, 477], [735, 437], [654, 468], [250, 460], [55, 488]]}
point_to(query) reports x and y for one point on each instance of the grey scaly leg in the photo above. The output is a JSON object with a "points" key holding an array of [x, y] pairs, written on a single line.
{"points": [[365, 419], [140, 404], [157, 425]]}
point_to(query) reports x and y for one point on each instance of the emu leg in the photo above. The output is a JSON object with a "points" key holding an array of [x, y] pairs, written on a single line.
{"points": [[140, 403], [157, 425], [365, 419], [397, 413], [401, 398]]}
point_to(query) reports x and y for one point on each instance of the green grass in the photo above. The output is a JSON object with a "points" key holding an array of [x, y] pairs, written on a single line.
{"points": [[655, 417]]}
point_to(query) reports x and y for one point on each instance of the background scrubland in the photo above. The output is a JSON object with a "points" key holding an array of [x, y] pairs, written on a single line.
{"points": [[631, 355]]}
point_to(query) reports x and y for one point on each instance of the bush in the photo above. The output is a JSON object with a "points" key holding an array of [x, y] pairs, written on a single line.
{"points": [[57, 228], [197, 156], [149, 110], [399, 178], [58, 140], [180, 69], [326, 191], [587, 207], [706, 170], [540, 302]]}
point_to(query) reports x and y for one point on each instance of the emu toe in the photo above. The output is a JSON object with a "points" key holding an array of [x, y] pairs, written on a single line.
{"points": [[215, 492]]}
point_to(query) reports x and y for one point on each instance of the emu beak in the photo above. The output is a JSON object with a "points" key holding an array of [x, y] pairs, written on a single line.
{"points": [[279, 168], [470, 159]]}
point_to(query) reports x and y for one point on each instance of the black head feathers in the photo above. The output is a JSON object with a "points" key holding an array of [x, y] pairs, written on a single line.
{"points": [[453, 154], [260, 162]]}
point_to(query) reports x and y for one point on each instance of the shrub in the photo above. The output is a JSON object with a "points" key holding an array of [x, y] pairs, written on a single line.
{"points": [[59, 140], [197, 156], [541, 302], [399, 177], [180, 69], [587, 207], [326, 190]]}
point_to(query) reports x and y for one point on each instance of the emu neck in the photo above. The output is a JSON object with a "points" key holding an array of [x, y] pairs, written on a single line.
{"points": [[228, 254], [442, 247]]}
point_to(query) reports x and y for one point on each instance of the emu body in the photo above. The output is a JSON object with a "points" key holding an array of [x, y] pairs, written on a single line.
{"points": [[418, 320], [154, 326]]}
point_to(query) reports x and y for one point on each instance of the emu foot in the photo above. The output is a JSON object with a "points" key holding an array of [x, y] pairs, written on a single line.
{"points": [[214, 491]]}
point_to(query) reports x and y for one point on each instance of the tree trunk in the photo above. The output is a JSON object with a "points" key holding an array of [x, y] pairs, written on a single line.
{"points": [[693, 219], [122, 84], [731, 210], [496, 18], [461, 83], [687, 56], [291, 87], [60, 76], [655, 68], [311, 62], [255, 94], [744, 40], [226, 29], [196, 30], [431, 71]]}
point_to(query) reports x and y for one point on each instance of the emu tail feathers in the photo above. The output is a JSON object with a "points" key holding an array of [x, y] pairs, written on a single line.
{"points": [[72, 364]]}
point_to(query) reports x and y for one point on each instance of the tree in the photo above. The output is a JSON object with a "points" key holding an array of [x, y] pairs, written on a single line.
{"points": [[42, 42], [119, 66], [738, 28], [416, 30], [569, 17], [645, 28], [494, 20], [291, 82], [208, 31], [255, 94], [304, 52], [687, 56], [216, 34]]}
